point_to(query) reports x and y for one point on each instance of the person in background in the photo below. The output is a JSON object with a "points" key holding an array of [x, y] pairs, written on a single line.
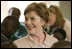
{"points": [[56, 20], [5, 43], [22, 31], [61, 44], [8, 45], [14, 11], [9, 26], [59, 33], [35, 21], [3, 38]]}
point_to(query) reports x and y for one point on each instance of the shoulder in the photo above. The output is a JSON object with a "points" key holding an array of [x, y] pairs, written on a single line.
{"points": [[3, 38], [67, 28], [20, 40], [50, 40], [21, 43], [67, 24]]}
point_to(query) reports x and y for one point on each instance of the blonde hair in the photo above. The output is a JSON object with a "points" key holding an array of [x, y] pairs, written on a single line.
{"points": [[40, 9], [59, 17]]}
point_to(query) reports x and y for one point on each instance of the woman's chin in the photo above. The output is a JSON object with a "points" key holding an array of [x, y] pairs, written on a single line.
{"points": [[31, 32]]}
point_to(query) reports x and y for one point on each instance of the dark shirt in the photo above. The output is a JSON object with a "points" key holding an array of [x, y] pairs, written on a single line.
{"points": [[21, 32]]}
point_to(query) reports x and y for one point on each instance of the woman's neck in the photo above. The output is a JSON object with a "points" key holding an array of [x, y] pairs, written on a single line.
{"points": [[39, 37]]}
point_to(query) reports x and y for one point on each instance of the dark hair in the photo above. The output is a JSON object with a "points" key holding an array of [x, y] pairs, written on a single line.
{"points": [[61, 31], [15, 11], [39, 8], [8, 23], [61, 44], [8, 45]]}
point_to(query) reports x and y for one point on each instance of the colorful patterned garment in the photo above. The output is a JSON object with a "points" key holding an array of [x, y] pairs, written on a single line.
{"points": [[21, 32]]}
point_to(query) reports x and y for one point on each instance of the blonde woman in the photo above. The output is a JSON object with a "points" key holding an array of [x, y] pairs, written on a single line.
{"points": [[35, 20], [56, 20]]}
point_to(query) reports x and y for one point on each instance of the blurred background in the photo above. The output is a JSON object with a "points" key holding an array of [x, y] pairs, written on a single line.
{"points": [[65, 7]]}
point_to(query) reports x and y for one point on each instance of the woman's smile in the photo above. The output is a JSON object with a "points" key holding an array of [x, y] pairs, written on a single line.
{"points": [[33, 22], [30, 27]]}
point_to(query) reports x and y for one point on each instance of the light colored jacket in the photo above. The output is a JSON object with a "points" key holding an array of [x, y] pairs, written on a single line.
{"points": [[28, 42], [67, 28]]}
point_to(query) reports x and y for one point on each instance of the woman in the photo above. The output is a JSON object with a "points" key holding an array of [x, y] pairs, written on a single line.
{"points": [[35, 19], [56, 20]]}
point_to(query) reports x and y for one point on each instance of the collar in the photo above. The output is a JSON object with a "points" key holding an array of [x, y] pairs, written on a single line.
{"points": [[49, 40], [33, 43]]}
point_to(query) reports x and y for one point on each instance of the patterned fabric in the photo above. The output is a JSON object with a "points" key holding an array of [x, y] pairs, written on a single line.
{"points": [[21, 32]]}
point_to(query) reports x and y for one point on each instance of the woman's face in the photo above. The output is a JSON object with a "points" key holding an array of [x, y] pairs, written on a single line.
{"points": [[52, 19], [33, 22]]}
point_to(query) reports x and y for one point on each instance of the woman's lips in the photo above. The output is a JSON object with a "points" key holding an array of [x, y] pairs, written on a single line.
{"points": [[30, 27]]}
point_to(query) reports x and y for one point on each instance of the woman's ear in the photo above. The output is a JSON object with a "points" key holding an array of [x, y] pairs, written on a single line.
{"points": [[43, 22]]}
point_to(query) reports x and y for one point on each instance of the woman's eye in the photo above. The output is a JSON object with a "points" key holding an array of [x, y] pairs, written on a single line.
{"points": [[32, 18], [26, 19]]}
